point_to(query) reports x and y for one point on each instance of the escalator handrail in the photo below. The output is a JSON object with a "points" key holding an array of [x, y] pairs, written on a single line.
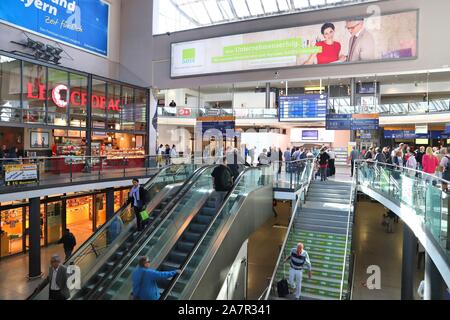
{"points": [[94, 236], [199, 242], [197, 174], [288, 231]]}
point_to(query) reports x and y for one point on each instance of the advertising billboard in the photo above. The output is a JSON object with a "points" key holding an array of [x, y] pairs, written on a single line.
{"points": [[357, 39], [79, 23]]}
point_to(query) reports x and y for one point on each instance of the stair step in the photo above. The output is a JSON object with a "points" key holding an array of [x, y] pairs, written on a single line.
{"points": [[320, 222], [331, 217], [323, 211], [327, 199], [338, 195], [320, 243], [321, 235]]}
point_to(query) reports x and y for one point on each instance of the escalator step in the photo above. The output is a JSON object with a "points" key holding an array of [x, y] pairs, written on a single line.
{"points": [[169, 266], [178, 256], [185, 246], [191, 236], [204, 219], [208, 211], [198, 228]]}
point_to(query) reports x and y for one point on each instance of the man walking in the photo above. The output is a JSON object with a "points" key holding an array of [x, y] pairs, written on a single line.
{"points": [[69, 242], [57, 280], [299, 260]]}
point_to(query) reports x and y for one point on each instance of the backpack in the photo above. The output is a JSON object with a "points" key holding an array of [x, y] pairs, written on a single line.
{"points": [[446, 172]]}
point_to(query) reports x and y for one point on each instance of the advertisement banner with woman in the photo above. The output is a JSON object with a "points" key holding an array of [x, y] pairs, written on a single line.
{"points": [[357, 39]]}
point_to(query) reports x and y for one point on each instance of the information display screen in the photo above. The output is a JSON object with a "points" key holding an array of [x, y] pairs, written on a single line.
{"points": [[306, 106]]}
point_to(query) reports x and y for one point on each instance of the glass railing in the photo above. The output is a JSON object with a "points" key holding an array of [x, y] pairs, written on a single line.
{"points": [[249, 180], [154, 245], [415, 191], [293, 174], [28, 173], [242, 113], [116, 229]]}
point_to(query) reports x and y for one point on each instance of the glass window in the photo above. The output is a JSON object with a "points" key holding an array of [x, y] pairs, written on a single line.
{"points": [[10, 90], [141, 110], [78, 100], [98, 103], [34, 93], [113, 105], [126, 108], [58, 93], [79, 217], [11, 226], [100, 209], [54, 221]]}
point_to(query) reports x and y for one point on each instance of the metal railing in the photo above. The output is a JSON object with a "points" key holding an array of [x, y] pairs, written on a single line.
{"points": [[303, 189], [345, 270]]}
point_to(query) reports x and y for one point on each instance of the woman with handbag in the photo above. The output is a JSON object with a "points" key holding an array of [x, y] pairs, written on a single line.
{"points": [[138, 199]]}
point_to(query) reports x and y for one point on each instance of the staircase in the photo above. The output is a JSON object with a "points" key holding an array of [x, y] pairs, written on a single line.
{"points": [[321, 225]]}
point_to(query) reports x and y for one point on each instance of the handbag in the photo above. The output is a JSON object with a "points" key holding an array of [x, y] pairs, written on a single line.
{"points": [[144, 215]]}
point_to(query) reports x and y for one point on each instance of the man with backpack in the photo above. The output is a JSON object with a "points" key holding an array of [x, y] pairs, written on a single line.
{"points": [[222, 182], [69, 242]]}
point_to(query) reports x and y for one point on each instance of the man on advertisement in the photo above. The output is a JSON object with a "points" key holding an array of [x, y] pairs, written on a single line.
{"points": [[361, 45]]}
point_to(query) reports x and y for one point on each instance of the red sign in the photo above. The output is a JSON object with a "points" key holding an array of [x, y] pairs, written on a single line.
{"points": [[185, 112], [77, 98]]}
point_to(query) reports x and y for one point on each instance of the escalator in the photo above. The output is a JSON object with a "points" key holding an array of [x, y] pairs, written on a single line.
{"points": [[196, 256], [104, 249], [160, 213], [201, 212]]}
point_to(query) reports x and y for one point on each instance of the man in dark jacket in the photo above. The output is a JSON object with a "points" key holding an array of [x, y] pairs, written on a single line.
{"points": [[69, 242], [138, 199], [57, 280]]}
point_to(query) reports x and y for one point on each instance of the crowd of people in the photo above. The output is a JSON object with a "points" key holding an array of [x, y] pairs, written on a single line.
{"points": [[432, 161], [165, 154]]}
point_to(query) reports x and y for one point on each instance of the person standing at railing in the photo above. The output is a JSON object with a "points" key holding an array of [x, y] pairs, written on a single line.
{"points": [[411, 163], [331, 162], [354, 156], [419, 156], [445, 165], [287, 159], [299, 260], [251, 153], [429, 165], [440, 154], [280, 160], [398, 162], [387, 155]]}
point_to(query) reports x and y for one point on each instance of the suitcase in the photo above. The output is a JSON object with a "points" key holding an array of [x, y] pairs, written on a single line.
{"points": [[282, 288]]}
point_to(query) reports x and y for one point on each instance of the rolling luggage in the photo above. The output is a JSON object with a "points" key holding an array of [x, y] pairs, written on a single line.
{"points": [[282, 288]]}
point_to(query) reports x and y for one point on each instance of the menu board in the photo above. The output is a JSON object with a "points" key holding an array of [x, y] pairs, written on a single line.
{"points": [[306, 106]]}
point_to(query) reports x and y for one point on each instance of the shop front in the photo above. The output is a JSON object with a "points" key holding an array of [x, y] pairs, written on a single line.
{"points": [[50, 111], [82, 213]]}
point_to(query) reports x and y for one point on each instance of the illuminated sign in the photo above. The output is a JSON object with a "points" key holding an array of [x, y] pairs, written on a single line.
{"points": [[77, 98]]}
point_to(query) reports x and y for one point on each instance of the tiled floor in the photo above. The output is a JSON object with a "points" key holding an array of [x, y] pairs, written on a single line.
{"points": [[14, 284], [373, 246]]}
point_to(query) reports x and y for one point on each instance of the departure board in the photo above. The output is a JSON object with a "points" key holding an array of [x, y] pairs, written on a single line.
{"points": [[306, 106]]}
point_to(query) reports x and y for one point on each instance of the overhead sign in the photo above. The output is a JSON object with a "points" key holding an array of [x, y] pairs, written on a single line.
{"points": [[20, 173], [304, 106], [359, 39], [79, 23], [352, 121], [226, 125]]}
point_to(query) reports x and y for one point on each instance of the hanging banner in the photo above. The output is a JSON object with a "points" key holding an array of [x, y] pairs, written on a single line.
{"points": [[79, 23]]}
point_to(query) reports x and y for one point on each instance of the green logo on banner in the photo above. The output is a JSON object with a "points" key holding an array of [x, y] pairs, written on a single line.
{"points": [[189, 55]]}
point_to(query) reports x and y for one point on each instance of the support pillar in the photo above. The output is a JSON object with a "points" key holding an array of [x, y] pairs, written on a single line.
{"points": [[109, 203], [267, 95], [34, 253], [409, 249], [353, 103], [434, 286]]}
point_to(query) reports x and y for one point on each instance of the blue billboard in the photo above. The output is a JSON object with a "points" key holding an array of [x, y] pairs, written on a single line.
{"points": [[79, 23], [335, 121], [305, 106]]}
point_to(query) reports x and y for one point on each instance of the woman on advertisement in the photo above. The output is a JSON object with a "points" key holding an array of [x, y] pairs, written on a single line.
{"points": [[330, 49]]}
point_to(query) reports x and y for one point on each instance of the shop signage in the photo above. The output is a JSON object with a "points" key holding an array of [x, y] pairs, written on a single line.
{"points": [[20, 173], [185, 112], [77, 98], [79, 23]]}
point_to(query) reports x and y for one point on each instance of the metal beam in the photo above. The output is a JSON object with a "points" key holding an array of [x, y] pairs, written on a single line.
{"points": [[207, 12], [262, 6], [233, 9], [184, 14]]}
